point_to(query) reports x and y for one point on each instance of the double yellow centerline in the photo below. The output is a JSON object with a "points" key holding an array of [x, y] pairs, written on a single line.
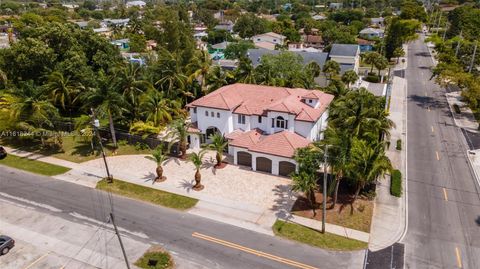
{"points": [[252, 251]]}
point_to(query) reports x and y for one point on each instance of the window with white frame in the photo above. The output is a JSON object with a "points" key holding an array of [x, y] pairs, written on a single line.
{"points": [[281, 123], [241, 119], [212, 114], [206, 113], [218, 114]]}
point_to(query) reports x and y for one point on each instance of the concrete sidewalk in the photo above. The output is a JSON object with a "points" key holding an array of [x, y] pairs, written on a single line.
{"points": [[465, 119], [390, 213]]}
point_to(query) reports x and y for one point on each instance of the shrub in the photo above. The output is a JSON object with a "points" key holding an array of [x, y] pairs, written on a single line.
{"points": [[141, 146], [155, 260], [399, 144], [456, 108], [372, 78], [396, 183]]}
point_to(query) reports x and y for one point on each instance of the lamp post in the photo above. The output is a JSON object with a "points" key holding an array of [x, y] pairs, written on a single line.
{"points": [[96, 124]]}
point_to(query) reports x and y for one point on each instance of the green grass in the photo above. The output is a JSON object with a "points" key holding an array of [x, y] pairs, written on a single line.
{"points": [[163, 259], [314, 238], [74, 149], [33, 166], [396, 183], [147, 194]]}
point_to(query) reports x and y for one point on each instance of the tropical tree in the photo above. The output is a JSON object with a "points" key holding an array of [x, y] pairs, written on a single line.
{"points": [[179, 133], [305, 180], [380, 63], [368, 162], [349, 77], [218, 144], [156, 108], [83, 128], [197, 160], [172, 79], [331, 68], [199, 68], [398, 52], [159, 156], [370, 58], [62, 90], [216, 78], [245, 72], [106, 101]]}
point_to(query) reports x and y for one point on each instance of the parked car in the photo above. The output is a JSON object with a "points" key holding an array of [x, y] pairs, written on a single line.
{"points": [[3, 153], [6, 243]]}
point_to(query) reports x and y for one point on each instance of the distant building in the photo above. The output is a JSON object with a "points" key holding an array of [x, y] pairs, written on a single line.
{"points": [[139, 4], [365, 45], [335, 5], [82, 24], [104, 31], [319, 17], [370, 33], [226, 26], [347, 55], [116, 22], [312, 41], [269, 40], [122, 44], [377, 22]]}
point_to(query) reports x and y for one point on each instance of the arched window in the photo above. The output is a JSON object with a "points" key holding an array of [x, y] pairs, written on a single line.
{"points": [[281, 123]]}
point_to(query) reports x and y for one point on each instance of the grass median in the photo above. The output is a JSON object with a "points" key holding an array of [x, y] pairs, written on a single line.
{"points": [[314, 238], [34, 166], [147, 194]]}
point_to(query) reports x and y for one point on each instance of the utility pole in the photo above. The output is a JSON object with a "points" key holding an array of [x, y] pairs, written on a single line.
{"points": [[458, 45], [96, 124], [324, 209], [120, 240], [472, 62]]}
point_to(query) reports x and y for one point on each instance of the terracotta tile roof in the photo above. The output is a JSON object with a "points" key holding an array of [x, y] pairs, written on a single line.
{"points": [[281, 144], [252, 99], [246, 139], [193, 128]]}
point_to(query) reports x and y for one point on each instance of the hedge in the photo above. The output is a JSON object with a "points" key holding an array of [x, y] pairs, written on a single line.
{"points": [[396, 183], [399, 144]]}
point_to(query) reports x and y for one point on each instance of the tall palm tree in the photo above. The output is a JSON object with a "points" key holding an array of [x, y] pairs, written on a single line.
{"points": [[218, 144], [199, 68], [368, 162], [197, 160], [159, 155], [380, 63], [172, 77], [216, 78], [370, 58], [156, 108], [106, 101], [62, 90], [349, 77], [179, 133], [245, 72], [331, 69]]}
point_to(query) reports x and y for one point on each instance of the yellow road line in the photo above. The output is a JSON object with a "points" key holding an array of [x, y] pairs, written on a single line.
{"points": [[445, 194], [438, 156], [428, 108], [459, 258], [253, 251], [432, 129], [37, 260]]}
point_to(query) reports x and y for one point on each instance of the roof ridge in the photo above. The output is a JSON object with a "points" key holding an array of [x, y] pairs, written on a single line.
{"points": [[288, 140]]}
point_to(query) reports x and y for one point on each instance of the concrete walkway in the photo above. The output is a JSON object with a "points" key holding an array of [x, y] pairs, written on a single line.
{"points": [[241, 214], [466, 119], [390, 213]]}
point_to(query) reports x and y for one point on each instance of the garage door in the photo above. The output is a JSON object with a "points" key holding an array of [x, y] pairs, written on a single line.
{"points": [[286, 168], [244, 158], [264, 164]]}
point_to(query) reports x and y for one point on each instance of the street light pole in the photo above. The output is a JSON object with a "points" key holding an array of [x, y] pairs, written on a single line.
{"points": [[96, 124], [324, 209]]}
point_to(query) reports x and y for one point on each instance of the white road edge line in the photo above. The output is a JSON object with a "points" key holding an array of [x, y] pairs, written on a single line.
{"points": [[406, 156]]}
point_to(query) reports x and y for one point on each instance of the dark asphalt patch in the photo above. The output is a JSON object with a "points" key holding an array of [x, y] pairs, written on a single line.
{"points": [[473, 139], [399, 73], [388, 258]]}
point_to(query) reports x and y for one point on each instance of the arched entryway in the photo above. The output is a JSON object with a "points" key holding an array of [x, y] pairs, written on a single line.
{"points": [[244, 158], [286, 168], [264, 164], [209, 132]]}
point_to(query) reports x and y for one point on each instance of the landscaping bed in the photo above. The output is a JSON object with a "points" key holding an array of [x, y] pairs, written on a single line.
{"points": [[341, 215], [396, 183], [147, 194], [315, 238], [37, 167], [155, 258]]}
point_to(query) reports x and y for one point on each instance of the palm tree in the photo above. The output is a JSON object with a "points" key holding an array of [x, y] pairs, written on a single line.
{"points": [[197, 160], [307, 183], [331, 68], [179, 133], [370, 58], [218, 144], [156, 108], [349, 77], [313, 69], [171, 75], [159, 155], [62, 90], [83, 126], [245, 72], [368, 162], [380, 63], [199, 68], [398, 52], [106, 101]]}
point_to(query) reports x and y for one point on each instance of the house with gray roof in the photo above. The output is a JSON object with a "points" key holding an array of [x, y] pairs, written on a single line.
{"points": [[370, 33], [347, 55]]}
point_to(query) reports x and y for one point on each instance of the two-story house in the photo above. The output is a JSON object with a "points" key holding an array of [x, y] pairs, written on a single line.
{"points": [[347, 55], [264, 125], [371, 33], [268, 40]]}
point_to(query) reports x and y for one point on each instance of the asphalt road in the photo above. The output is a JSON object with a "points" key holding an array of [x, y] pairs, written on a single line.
{"points": [[173, 229], [443, 196]]}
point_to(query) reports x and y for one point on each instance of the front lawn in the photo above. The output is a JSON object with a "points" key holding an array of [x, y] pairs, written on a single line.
{"points": [[33, 166], [155, 258], [74, 149], [147, 194], [315, 238]]}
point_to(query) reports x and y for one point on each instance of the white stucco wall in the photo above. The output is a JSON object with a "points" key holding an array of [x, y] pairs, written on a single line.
{"points": [[275, 159], [223, 123], [194, 141], [304, 128], [285, 116], [267, 38]]}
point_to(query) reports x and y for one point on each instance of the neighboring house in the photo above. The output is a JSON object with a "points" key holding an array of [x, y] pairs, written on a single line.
{"points": [[226, 26], [264, 125], [70, 7], [139, 4], [335, 5], [365, 45], [377, 22], [82, 24], [312, 41], [122, 44], [104, 31], [227, 64], [347, 55], [319, 17], [116, 22], [370, 33], [272, 38]]}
